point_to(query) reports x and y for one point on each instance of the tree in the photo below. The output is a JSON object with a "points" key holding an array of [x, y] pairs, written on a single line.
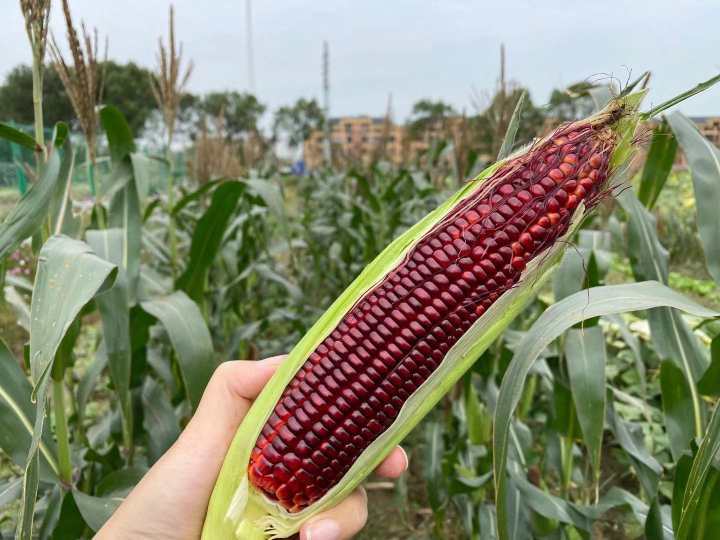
{"points": [[16, 97], [240, 111], [428, 114], [298, 121], [126, 86]]}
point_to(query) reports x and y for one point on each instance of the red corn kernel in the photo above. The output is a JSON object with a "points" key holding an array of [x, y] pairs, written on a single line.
{"points": [[354, 384]]}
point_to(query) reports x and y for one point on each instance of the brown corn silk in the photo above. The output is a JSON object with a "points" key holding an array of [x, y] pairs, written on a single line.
{"points": [[353, 385]]}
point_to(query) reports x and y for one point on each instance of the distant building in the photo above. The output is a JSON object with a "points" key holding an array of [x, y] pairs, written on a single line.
{"points": [[709, 126], [366, 138], [357, 138]]}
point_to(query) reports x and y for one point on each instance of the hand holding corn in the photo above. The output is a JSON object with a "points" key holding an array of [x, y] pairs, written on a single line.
{"points": [[171, 500]]}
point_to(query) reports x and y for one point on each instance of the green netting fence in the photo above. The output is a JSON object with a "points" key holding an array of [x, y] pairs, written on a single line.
{"points": [[17, 161]]}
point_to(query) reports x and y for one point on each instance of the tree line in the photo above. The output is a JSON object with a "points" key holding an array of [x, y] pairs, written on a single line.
{"points": [[127, 86]]}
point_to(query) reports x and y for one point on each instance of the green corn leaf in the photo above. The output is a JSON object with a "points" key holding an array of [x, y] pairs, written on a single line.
{"points": [[653, 523], [704, 161], [550, 506], [95, 510], [19, 306], [29, 213], [61, 219], [159, 419], [17, 416], [207, 238], [513, 125], [680, 478], [618, 498], [570, 275], [658, 164], [125, 214], [701, 87], [120, 139], [69, 275], [51, 516], [671, 336], [115, 314], [10, 490], [88, 381], [193, 196], [269, 193], [633, 344], [701, 472], [517, 512], [61, 132], [710, 382], [190, 338], [677, 408], [487, 522], [594, 302], [630, 438], [16, 136], [150, 174], [69, 523], [585, 355], [433, 471], [125, 207], [119, 483], [706, 526]]}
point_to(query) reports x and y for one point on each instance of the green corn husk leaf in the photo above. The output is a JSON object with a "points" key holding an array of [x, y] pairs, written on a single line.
{"points": [[237, 510]]}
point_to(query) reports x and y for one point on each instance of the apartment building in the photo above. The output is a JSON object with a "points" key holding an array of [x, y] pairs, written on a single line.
{"points": [[709, 126], [364, 138], [357, 138]]}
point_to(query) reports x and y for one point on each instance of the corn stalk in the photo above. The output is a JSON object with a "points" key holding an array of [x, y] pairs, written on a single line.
{"points": [[168, 84], [37, 15]]}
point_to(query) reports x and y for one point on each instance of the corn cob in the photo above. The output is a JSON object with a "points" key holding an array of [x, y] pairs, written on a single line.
{"points": [[355, 382], [411, 324]]}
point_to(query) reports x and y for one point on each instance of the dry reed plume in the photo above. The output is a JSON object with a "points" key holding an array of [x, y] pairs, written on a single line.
{"points": [[215, 156], [170, 79], [83, 81]]}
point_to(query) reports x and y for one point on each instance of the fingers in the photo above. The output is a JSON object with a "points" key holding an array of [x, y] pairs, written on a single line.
{"points": [[347, 518], [394, 465], [227, 398], [340, 522]]}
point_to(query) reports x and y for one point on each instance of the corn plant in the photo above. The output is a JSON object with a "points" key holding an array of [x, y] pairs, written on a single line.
{"points": [[572, 412]]}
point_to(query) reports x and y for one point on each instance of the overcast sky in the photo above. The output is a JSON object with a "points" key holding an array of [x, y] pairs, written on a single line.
{"points": [[410, 48]]}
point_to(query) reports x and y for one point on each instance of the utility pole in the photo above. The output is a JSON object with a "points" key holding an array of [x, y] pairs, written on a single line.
{"points": [[327, 150], [250, 60]]}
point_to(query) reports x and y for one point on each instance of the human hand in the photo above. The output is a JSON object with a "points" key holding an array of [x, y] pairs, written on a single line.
{"points": [[170, 501]]}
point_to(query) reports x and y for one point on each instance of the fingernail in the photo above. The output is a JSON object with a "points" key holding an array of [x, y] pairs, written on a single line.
{"points": [[405, 457], [325, 529]]}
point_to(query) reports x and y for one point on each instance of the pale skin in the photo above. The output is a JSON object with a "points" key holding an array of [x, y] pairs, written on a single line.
{"points": [[170, 501]]}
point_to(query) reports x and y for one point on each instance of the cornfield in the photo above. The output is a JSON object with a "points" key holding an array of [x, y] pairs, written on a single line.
{"points": [[590, 411]]}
